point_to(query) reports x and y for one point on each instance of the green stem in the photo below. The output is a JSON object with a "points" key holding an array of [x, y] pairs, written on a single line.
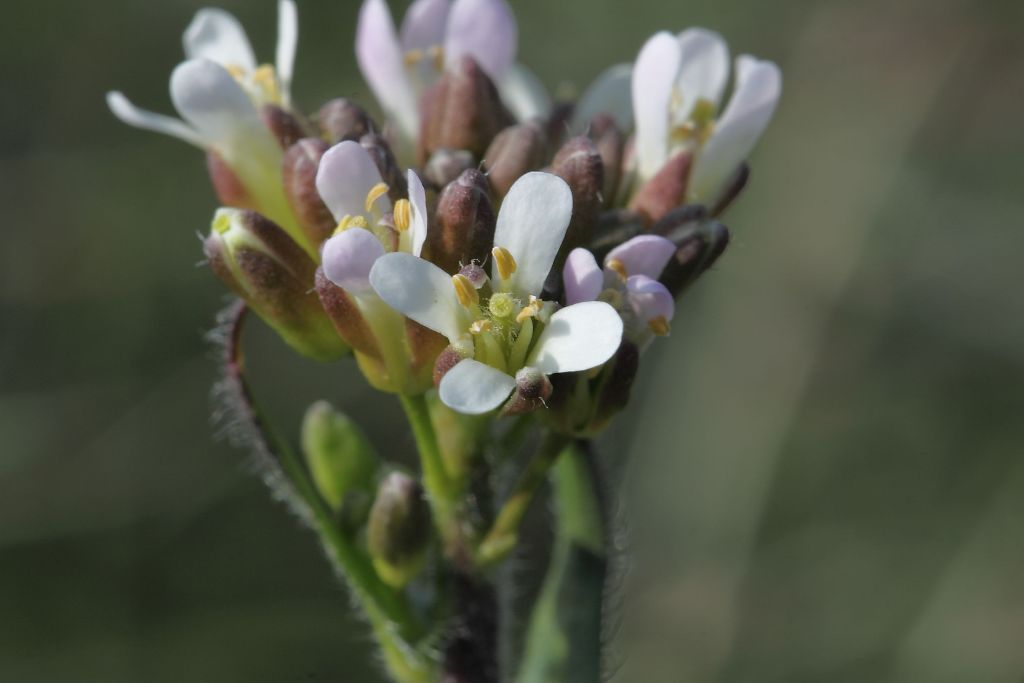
{"points": [[504, 533], [390, 616], [439, 487], [563, 642]]}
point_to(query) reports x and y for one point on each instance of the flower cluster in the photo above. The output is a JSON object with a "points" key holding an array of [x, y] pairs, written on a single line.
{"points": [[481, 250]]}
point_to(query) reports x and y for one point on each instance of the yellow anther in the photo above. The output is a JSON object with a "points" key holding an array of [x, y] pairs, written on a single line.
{"points": [[436, 54], [527, 312], [235, 70], [413, 57], [481, 326], [658, 326], [618, 267], [403, 215], [503, 259], [350, 222], [265, 77], [465, 290], [375, 193]]}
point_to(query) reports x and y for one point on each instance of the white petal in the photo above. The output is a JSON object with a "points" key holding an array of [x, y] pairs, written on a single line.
{"points": [[418, 200], [486, 31], [654, 76], [524, 94], [424, 24], [344, 179], [531, 224], [421, 291], [210, 99], [577, 337], [758, 86], [703, 69], [382, 62], [582, 277], [218, 36], [643, 255], [147, 120], [608, 94], [348, 258], [474, 388], [287, 43]]}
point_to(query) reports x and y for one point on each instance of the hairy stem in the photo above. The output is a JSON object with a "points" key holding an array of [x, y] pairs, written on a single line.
{"points": [[504, 533]]}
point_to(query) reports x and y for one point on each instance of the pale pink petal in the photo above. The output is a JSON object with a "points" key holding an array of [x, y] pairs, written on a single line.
{"points": [[382, 62], [218, 36], [582, 277], [486, 31], [348, 258], [654, 76], [649, 299], [344, 179], [643, 255]]}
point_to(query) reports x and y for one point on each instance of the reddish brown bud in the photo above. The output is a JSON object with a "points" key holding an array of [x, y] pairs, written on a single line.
{"points": [[229, 189], [515, 151], [301, 162], [384, 158], [445, 165], [579, 164], [463, 110], [264, 266], [342, 119], [533, 389], [464, 228], [285, 126], [732, 189], [346, 316], [699, 246], [446, 360], [666, 190], [609, 141]]}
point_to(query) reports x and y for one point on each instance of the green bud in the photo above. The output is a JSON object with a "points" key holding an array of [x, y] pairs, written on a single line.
{"points": [[398, 533], [340, 457], [274, 275]]}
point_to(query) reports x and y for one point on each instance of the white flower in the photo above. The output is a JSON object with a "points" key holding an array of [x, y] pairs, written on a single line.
{"points": [[677, 87], [399, 65], [629, 282], [368, 227], [502, 328], [218, 91]]}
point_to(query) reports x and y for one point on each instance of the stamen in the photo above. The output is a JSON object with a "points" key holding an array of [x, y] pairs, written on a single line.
{"points": [[403, 215], [436, 53], [618, 267], [413, 57], [658, 326], [525, 314], [505, 262], [375, 193], [350, 222], [265, 77], [236, 71], [465, 291], [481, 326]]}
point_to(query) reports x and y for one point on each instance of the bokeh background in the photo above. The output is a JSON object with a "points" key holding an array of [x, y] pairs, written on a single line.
{"points": [[825, 478]]}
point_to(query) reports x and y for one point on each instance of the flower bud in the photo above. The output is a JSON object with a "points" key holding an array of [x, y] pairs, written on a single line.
{"points": [[732, 189], [462, 110], [609, 141], [464, 223], [398, 532], [446, 360], [340, 458], [345, 315], [699, 246], [614, 228], [515, 151], [445, 165], [228, 187], [666, 190], [579, 164], [342, 119], [533, 389], [390, 172], [264, 266], [285, 126], [301, 162]]}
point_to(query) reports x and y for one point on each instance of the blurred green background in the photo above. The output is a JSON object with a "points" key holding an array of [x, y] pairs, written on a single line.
{"points": [[825, 478]]}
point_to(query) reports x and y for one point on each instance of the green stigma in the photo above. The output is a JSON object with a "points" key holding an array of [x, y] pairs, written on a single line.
{"points": [[502, 306]]}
